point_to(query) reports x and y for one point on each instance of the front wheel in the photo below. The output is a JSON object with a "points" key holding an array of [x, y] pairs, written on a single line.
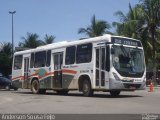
{"points": [[35, 87], [86, 88], [115, 93]]}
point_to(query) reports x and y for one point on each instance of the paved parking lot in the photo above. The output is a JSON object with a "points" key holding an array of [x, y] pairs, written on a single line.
{"points": [[23, 101]]}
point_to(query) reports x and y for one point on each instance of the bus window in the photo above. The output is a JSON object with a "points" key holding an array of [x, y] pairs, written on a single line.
{"points": [[18, 62], [70, 55], [40, 59], [84, 53], [103, 59], [32, 60], [48, 58], [107, 58]]}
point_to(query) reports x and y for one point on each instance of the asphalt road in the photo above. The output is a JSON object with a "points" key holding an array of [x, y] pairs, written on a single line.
{"points": [[23, 101]]}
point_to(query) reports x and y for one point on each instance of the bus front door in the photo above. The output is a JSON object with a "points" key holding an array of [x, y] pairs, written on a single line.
{"points": [[58, 62], [26, 73], [101, 74]]}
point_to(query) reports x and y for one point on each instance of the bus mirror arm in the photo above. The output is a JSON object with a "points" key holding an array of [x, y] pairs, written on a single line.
{"points": [[112, 51], [107, 43]]}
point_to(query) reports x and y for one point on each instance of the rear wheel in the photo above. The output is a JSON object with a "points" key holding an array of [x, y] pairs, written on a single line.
{"points": [[7, 87], [35, 87], [42, 91], [15, 89], [115, 93], [86, 88]]}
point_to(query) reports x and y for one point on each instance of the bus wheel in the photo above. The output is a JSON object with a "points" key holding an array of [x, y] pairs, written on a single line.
{"points": [[42, 91], [7, 87], [86, 88], [35, 87], [15, 89], [62, 92], [115, 93]]}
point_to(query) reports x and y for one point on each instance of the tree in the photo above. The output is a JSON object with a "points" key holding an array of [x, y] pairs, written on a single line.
{"points": [[6, 49], [143, 22], [131, 24], [6, 59], [49, 39], [31, 41], [97, 28], [151, 12]]}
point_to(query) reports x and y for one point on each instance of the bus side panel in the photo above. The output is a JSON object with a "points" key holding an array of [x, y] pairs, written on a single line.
{"points": [[67, 79], [17, 78], [71, 77], [46, 83], [43, 75]]}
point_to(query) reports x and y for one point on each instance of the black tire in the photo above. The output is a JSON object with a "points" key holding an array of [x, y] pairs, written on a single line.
{"points": [[7, 87], [62, 92], [86, 88], [115, 93], [42, 91], [35, 88], [15, 89]]}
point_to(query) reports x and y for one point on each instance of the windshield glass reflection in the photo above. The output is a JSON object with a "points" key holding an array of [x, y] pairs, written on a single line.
{"points": [[128, 61]]}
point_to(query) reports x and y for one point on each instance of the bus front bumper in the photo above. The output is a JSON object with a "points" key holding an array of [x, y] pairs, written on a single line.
{"points": [[115, 84]]}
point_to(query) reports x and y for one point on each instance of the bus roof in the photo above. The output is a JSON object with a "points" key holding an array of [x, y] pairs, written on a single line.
{"points": [[70, 43]]}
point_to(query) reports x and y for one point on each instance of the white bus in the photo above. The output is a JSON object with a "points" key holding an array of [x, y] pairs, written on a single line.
{"points": [[107, 63]]}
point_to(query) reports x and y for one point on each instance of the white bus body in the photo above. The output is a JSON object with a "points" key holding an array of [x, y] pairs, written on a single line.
{"points": [[105, 63]]}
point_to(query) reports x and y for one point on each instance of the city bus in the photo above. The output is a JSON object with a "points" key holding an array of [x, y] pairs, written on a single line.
{"points": [[106, 63]]}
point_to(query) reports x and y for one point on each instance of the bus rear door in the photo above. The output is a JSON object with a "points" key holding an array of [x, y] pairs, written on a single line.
{"points": [[26, 73], [58, 62]]}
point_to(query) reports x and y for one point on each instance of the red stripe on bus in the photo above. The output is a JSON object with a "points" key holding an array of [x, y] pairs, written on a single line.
{"points": [[47, 74], [18, 77], [69, 71]]}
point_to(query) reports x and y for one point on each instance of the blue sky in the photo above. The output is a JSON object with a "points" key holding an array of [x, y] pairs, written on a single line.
{"points": [[61, 18]]}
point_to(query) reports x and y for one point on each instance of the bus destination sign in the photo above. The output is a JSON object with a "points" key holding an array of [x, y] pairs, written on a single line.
{"points": [[125, 41]]}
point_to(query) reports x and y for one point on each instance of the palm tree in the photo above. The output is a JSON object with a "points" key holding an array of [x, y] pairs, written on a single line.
{"points": [[152, 19], [143, 22], [151, 12], [6, 58], [130, 25], [49, 39], [6, 48], [97, 28], [31, 41]]}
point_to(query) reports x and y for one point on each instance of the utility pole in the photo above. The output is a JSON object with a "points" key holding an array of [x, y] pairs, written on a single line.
{"points": [[12, 13]]}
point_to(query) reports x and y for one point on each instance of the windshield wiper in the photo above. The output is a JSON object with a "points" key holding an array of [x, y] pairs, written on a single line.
{"points": [[124, 51]]}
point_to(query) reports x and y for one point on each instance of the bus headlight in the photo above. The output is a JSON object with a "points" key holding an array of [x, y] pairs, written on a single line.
{"points": [[144, 80], [116, 76]]}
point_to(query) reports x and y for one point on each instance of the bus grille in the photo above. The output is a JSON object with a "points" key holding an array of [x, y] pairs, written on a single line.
{"points": [[132, 85]]}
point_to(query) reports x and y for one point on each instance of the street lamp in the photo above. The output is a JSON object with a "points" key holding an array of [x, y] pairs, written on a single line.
{"points": [[12, 13]]}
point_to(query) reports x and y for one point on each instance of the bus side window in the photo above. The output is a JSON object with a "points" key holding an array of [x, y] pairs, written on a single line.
{"points": [[84, 53], [32, 60], [48, 61], [40, 59], [70, 55], [18, 62], [107, 58]]}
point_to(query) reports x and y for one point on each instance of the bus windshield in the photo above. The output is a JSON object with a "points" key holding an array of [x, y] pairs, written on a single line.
{"points": [[128, 61]]}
